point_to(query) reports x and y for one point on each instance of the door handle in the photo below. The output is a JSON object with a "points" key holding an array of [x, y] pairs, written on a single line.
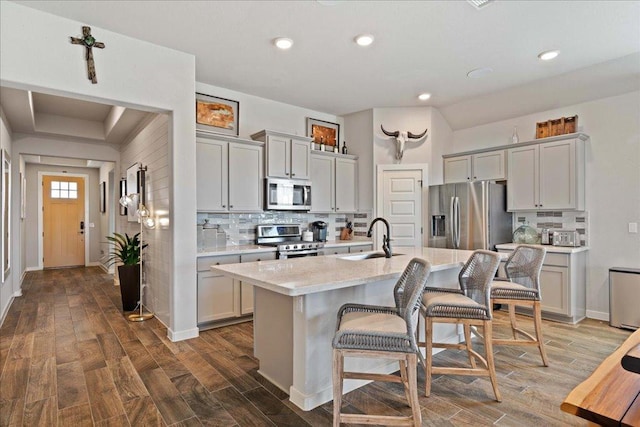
{"points": [[81, 227]]}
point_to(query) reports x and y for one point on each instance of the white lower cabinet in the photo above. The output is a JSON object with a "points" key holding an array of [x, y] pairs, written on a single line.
{"points": [[220, 298], [336, 250], [360, 248], [562, 285]]}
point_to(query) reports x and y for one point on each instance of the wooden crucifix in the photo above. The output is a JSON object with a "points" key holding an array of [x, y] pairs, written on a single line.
{"points": [[89, 42]]}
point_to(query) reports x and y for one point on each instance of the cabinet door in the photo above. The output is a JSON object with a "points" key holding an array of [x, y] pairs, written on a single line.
{"points": [[558, 175], [246, 289], [278, 157], [218, 297], [554, 285], [522, 176], [300, 159], [245, 178], [457, 169], [490, 165], [322, 177], [345, 185], [211, 175]]}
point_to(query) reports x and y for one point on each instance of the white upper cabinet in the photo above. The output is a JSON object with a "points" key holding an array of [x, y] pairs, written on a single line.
{"points": [[547, 175], [229, 175], [287, 156], [488, 165], [334, 183]]}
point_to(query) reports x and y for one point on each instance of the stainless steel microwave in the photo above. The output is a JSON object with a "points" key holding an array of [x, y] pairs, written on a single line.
{"points": [[287, 194]]}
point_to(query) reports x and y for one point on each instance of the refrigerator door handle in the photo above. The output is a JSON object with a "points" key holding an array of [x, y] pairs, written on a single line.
{"points": [[457, 220], [452, 221]]}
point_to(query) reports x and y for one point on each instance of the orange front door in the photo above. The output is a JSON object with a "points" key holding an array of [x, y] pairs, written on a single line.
{"points": [[63, 214]]}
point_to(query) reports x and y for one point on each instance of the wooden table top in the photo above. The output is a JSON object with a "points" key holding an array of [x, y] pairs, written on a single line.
{"points": [[611, 395]]}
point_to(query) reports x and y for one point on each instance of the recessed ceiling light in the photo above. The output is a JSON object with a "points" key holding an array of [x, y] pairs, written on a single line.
{"points": [[283, 43], [479, 72], [364, 39], [549, 55], [424, 96]]}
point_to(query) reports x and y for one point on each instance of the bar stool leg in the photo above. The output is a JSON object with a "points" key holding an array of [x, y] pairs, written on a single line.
{"points": [[428, 339], [537, 322], [338, 373], [405, 380], [488, 347], [412, 373], [512, 318], [467, 339]]}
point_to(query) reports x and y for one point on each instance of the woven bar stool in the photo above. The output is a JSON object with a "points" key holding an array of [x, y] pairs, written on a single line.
{"points": [[384, 333], [522, 287], [469, 306]]}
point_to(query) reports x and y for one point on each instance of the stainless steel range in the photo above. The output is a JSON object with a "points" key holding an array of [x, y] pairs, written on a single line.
{"points": [[287, 238]]}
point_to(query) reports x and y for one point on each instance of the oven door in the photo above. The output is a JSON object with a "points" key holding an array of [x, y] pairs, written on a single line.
{"points": [[287, 194], [297, 254]]}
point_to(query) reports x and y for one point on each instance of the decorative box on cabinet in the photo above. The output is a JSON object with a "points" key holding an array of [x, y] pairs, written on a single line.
{"points": [[229, 174], [334, 179], [488, 165], [547, 175], [287, 156]]}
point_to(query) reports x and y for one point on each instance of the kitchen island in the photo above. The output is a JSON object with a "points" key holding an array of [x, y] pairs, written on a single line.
{"points": [[296, 304]]}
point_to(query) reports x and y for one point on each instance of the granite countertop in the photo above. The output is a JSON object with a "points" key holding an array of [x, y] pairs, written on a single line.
{"points": [[549, 248], [300, 276], [248, 249]]}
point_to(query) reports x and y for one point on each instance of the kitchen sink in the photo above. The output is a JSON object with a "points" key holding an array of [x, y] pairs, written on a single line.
{"points": [[358, 257]]}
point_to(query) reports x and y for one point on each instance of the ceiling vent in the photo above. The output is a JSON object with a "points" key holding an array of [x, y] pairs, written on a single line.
{"points": [[479, 4]]}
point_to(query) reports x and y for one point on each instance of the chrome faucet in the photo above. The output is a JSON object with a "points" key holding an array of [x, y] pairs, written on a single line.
{"points": [[386, 238]]}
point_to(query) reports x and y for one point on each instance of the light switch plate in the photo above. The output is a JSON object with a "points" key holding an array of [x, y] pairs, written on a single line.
{"points": [[91, 225], [633, 227]]}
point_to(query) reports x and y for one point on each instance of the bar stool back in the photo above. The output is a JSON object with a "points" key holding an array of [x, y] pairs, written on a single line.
{"points": [[469, 306], [382, 332], [522, 287]]}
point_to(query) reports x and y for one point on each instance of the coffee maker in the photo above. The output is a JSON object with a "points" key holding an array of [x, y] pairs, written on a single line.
{"points": [[319, 229]]}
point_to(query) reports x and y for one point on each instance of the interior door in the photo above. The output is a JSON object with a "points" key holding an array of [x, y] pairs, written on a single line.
{"points": [[402, 206], [64, 222]]}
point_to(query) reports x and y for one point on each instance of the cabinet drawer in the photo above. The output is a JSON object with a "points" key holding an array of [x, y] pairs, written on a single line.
{"points": [[336, 250], [205, 262], [262, 256], [561, 260], [360, 248]]}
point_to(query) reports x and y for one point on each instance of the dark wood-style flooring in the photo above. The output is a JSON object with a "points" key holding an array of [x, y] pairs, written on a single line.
{"points": [[68, 357]]}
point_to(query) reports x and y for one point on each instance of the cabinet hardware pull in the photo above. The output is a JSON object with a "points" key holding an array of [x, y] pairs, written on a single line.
{"points": [[217, 263], [224, 206], [475, 177], [293, 174], [230, 206]]}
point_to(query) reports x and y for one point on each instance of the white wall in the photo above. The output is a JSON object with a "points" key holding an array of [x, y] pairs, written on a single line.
{"points": [[112, 180], [7, 291], [612, 180], [131, 73], [151, 148], [258, 113]]}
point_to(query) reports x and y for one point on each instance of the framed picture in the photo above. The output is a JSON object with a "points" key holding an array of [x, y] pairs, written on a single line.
{"points": [[322, 131], [103, 197], [132, 190], [217, 115], [123, 192]]}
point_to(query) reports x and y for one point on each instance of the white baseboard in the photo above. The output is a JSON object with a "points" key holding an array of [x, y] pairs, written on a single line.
{"points": [[598, 315], [6, 311], [36, 268], [182, 335]]}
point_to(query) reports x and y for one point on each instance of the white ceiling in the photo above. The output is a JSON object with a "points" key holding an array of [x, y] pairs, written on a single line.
{"points": [[420, 46]]}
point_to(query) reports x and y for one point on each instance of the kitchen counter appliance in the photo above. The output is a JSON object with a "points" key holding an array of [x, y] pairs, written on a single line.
{"points": [[287, 238], [469, 216], [287, 194], [569, 238], [319, 229]]}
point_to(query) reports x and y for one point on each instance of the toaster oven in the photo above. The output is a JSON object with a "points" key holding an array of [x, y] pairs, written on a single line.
{"points": [[566, 238]]}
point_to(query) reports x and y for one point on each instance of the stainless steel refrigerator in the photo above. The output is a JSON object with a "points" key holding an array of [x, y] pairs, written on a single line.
{"points": [[469, 216]]}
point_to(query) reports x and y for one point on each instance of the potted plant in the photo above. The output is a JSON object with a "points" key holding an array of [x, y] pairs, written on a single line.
{"points": [[126, 253]]}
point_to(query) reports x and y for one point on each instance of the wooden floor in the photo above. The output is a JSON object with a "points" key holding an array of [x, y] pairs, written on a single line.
{"points": [[68, 357]]}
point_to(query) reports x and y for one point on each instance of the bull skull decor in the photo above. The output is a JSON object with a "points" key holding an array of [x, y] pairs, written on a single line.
{"points": [[401, 138]]}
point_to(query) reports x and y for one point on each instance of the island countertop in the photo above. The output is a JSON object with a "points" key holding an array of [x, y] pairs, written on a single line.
{"points": [[301, 276]]}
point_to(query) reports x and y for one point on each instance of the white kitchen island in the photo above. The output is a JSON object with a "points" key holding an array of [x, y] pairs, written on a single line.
{"points": [[296, 305]]}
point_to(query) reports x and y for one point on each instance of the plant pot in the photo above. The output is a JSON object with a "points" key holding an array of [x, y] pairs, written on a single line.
{"points": [[129, 276]]}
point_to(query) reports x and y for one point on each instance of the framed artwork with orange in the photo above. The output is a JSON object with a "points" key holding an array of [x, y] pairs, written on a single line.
{"points": [[217, 115], [323, 132]]}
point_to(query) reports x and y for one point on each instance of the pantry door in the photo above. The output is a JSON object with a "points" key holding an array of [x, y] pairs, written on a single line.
{"points": [[63, 221], [399, 201]]}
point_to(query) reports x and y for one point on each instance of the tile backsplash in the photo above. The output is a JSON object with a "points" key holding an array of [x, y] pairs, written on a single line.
{"points": [[556, 220], [241, 227]]}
